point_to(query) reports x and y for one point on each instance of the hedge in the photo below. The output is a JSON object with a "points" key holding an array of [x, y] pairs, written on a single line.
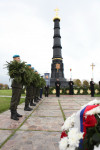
{"points": [[76, 91]]}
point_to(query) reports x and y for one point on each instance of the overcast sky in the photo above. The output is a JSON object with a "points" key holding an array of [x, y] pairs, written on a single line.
{"points": [[26, 28]]}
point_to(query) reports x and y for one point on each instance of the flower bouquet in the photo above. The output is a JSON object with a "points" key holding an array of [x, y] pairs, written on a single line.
{"points": [[81, 131]]}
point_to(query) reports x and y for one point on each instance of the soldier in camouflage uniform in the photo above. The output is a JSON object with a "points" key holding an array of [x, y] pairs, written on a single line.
{"points": [[29, 95], [16, 94], [33, 92], [37, 91]]}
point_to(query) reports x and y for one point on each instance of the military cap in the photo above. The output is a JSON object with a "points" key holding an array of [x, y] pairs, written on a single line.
{"points": [[28, 64], [16, 56], [32, 68]]}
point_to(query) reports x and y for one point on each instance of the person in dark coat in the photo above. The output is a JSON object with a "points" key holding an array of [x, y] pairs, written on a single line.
{"points": [[41, 92], [57, 84], [99, 84], [16, 94], [46, 90], [92, 87], [71, 83]]}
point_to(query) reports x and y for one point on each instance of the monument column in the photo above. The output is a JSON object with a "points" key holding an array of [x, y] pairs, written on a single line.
{"points": [[57, 69]]}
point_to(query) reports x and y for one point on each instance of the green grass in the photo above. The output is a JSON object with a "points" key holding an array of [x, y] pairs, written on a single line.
{"points": [[64, 117], [97, 95], [8, 92], [5, 103]]}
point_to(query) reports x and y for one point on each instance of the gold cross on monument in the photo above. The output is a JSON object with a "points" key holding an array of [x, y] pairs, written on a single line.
{"points": [[56, 10], [92, 66]]}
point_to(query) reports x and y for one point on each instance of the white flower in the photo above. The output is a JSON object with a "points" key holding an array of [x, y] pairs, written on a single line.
{"points": [[74, 136], [96, 91], [97, 148], [81, 91], [71, 148], [69, 122], [53, 91], [67, 91], [60, 91], [94, 102], [63, 143], [88, 91], [94, 111], [75, 91]]}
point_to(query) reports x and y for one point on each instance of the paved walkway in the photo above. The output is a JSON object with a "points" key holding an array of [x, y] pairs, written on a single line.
{"points": [[39, 129]]}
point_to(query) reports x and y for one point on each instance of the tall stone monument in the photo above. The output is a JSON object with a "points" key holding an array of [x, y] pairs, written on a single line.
{"points": [[57, 67]]}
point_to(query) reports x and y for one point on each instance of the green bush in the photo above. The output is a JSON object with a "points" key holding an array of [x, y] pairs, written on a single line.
{"points": [[76, 91]]}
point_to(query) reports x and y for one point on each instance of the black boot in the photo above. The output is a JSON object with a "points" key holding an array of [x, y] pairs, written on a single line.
{"points": [[18, 115], [27, 108], [14, 115], [38, 98], [35, 100], [31, 103]]}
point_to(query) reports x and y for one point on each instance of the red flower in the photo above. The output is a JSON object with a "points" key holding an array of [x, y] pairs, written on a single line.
{"points": [[90, 121], [63, 134]]}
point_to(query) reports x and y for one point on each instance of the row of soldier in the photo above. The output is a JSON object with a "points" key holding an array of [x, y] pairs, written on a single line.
{"points": [[32, 92]]}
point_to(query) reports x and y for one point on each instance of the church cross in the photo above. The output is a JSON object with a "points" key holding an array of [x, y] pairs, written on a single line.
{"points": [[56, 10], [92, 66]]}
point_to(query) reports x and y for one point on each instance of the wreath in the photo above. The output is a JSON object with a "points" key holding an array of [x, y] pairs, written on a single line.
{"points": [[81, 131]]}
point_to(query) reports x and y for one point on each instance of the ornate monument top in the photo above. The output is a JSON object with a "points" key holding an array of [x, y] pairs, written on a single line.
{"points": [[56, 17]]}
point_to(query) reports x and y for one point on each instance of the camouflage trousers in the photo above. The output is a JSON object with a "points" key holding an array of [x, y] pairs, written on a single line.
{"points": [[16, 94], [29, 95]]}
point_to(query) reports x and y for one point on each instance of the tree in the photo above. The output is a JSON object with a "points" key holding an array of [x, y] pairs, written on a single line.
{"points": [[1, 86], [77, 82], [85, 83], [96, 85], [5, 86]]}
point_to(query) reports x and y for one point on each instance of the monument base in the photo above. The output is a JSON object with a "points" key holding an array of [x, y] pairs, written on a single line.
{"points": [[63, 81]]}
